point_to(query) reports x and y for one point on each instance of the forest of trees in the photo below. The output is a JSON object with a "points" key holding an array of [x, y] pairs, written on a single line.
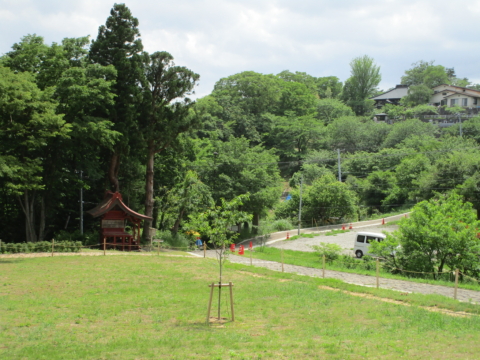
{"points": [[102, 115]]}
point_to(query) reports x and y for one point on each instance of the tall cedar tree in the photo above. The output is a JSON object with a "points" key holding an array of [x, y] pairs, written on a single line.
{"points": [[165, 113], [118, 43]]}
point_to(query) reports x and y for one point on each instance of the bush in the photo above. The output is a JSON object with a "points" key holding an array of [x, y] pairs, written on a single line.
{"points": [[331, 251], [177, 240], [282, 225], [41, 246]]}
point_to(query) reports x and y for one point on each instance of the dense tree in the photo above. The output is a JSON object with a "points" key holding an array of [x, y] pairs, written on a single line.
{"points": [[239, 169], [29, 124], [362, 84], [417, 95], [326, 198], [329, 87], [165, 113], [118, 43], [331, 109], [402, 130], [440, 234]]}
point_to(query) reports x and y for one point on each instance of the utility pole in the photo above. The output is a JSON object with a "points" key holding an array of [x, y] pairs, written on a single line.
{"points": [[339, 167], [300, 206], [81, 202], [460, 120]]}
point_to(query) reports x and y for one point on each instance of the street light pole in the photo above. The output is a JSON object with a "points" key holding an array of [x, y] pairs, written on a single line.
{"points": [[300, 206], [81, 202], [339, 167]]}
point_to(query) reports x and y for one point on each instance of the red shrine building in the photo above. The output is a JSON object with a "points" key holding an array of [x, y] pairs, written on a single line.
{"points": [[114, 216]]}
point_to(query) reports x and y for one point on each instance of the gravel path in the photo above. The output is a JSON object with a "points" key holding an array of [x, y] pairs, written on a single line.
{"points": [[356, 279]]}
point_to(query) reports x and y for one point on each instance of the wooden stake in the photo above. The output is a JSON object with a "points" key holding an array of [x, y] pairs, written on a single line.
{"points": [[323, 266], [210, 303], [104, 246], [53, 245], [282, 260], [231, 300], [378, 281], [204, 249], [456, 285]]}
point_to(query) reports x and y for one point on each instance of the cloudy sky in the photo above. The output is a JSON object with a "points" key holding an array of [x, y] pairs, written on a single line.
{"points": [[218, 38]]}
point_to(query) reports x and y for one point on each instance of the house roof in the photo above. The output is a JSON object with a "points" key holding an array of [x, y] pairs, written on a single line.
{"points": [[397, 93], [110, 202], [464, 90], [459, 93]]}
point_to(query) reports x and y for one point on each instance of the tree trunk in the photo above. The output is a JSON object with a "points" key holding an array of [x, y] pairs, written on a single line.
{"points": [[41, 231], [256, 219], [245, 224], [178, 220], [113, 171], [27, 207], [149, 189], [156, 210]]}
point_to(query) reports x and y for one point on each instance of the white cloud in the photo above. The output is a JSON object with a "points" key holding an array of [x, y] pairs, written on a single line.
{"points": [[217, 38]]}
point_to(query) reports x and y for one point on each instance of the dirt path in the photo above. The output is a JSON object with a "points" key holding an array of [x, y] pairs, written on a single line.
{"points": [[363, 280]]}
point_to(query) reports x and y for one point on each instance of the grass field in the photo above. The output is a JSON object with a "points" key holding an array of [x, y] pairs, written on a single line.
{"points": [[356, 266], [154, 307]]}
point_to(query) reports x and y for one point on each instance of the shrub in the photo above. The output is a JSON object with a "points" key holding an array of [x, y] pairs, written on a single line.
{"points": [[331, 251], [282, 225], [177, 240]]}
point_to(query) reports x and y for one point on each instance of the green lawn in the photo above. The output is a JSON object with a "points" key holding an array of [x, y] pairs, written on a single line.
{"points": [[154, 307]]}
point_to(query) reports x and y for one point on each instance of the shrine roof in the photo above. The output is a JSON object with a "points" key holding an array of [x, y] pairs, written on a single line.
{"points": [[110, 202]]}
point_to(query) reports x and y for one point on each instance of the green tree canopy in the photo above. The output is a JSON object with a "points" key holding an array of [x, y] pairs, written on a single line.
{"points": [[362, 84]]}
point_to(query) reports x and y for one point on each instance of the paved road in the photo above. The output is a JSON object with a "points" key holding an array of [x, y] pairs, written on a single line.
{"points": [[363, 280], [357, 226], [345, 240]]}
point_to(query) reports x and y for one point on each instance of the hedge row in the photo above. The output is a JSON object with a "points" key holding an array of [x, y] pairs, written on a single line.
{"points": [[41, 246]]}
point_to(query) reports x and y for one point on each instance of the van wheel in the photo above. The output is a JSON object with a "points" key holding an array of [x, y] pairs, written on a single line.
{"points": [[358, 254]]}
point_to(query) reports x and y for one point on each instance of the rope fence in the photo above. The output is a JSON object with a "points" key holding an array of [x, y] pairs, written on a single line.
{"points": [[375, 266], [156, 247]]}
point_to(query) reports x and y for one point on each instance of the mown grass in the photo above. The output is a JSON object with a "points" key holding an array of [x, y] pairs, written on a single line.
{"points": [[354, 266], [148, 307]]}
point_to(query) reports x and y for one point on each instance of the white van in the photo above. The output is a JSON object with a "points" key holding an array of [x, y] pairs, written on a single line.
{"points": [[363, 240]]}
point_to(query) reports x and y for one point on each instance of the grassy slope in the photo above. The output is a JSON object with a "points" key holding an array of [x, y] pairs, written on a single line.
{"points": [[126, 307], [311, 259]]}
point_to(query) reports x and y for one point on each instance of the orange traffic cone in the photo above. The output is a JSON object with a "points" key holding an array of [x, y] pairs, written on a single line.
{"points": [[232, 247], [383, 221], [343, 227], [288, 235], [350, 227], [241, 251]]}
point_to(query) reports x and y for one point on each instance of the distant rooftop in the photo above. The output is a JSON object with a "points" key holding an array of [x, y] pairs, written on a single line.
{"points": [[395, 94]]}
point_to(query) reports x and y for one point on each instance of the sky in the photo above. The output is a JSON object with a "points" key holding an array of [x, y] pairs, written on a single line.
{"points": [[219, 38]]}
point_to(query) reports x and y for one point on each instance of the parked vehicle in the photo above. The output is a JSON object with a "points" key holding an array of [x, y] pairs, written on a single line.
{"points": [[363, 240]]}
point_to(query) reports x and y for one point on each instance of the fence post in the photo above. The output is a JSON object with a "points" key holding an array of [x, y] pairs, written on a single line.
{"points": [[456, 285], [104, 245], [230, 284], [282, 260], [377, 273], [204, 249], [323, 266], [53, 245], [210, 303]]}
